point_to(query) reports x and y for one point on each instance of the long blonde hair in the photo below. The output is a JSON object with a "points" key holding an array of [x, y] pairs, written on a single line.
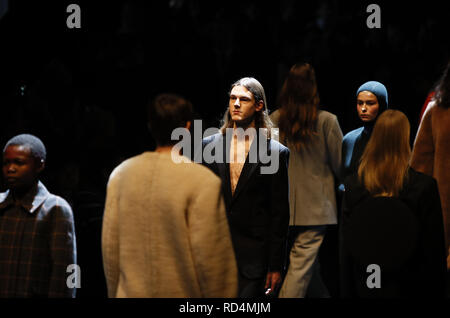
{"points": [[385, 161]]}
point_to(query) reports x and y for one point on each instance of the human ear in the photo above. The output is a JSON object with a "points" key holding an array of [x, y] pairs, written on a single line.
{"points": [[259, 105], [41, 165]]}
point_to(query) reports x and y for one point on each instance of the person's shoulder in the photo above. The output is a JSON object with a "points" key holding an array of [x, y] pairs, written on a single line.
{"points": [[211, 138], [197, 175], [58, 206], [130, 163], [60, 202], [327, 120], [275, 113], [187, 169], [275, 116], [274, 144], [352, 135], [324, 115]]}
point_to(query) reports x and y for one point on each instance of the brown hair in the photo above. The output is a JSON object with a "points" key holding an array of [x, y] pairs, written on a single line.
{"points": [[385, 161], [299, 103], [165, 113], [442, 96], [262, 119]]}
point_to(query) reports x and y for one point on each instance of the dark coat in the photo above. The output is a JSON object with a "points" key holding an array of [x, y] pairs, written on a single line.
{"points": [[258, 212], [404, 235]]}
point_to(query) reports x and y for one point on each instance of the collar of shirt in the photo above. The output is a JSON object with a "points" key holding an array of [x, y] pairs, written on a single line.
{"points": [[30, 202]]}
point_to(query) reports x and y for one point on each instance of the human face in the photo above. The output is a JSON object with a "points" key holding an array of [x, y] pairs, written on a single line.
{"points": [[20, 168], [367, 106], [242, 106]]}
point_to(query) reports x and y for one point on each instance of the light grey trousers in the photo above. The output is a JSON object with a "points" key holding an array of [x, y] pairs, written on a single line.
{"points": [[303, 274]]}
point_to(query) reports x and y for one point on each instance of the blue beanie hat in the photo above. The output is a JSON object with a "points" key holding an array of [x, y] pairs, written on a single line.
{"points": [[379, 90]]}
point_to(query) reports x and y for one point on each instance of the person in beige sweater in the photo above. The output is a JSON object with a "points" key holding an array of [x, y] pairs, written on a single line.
{"points": [[165, 231]]}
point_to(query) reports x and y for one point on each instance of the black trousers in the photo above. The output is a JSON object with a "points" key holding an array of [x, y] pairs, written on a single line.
{"points": [[254, 288], [251, 287]]}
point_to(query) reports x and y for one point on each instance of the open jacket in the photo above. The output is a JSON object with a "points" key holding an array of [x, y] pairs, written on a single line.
{"points": [[258, 212]]}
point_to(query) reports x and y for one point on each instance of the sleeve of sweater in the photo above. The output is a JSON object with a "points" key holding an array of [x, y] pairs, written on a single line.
{"points": [[110, 236], [210, 242], [423, 152]]}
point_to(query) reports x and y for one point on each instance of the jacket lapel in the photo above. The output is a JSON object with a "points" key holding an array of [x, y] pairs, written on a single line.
{"points": [[224, 169], [248, 169]]}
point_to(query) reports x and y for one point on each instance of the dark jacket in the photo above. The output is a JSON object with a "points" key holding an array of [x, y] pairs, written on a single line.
{"points": [[37, 246], [404, 235], [258, 212]]}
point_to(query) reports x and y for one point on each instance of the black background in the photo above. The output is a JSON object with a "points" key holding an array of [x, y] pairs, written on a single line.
{"points": [[84, 91]]}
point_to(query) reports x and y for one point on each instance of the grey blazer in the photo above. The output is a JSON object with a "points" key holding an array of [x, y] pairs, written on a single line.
{"points": [[312, 173]]}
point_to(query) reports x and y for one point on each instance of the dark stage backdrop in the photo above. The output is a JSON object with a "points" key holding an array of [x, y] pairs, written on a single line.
{"points": [[84, 91]]}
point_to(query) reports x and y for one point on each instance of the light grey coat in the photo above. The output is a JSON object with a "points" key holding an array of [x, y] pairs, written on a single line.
{"points": [[312, 173]]}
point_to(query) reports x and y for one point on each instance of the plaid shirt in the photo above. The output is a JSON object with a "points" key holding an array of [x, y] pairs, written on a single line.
{"points": [[37, 243]]}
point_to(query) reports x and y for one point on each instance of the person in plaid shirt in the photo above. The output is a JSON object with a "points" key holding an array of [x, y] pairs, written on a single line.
{"points": [[37, 233]]}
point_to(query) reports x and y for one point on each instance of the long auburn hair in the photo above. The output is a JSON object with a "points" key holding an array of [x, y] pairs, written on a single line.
{"points": [[262, 119], [299, 103], [385, 161]]}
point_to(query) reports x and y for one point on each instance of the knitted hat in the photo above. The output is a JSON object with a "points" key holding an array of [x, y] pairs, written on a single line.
{"points": [[379, 90]]}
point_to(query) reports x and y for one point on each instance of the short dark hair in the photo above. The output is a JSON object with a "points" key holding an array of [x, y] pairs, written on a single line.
{"points": [[36, 146], [165, 113]]}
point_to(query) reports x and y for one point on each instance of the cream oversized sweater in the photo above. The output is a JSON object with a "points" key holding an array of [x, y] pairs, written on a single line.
{"points": [[165, 231]]}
